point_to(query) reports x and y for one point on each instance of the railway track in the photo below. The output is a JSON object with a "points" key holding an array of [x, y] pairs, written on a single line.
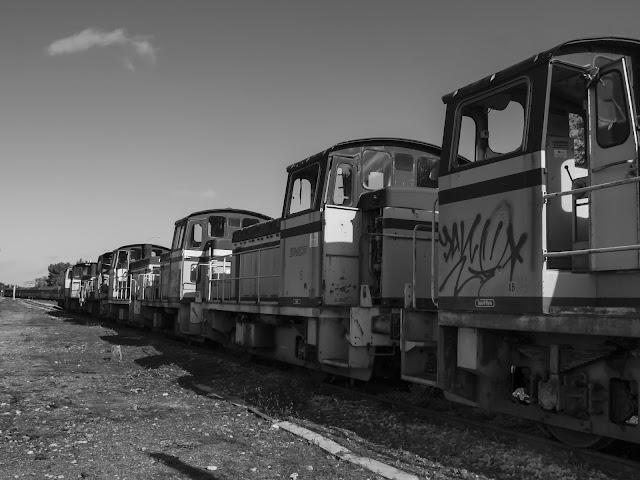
{"points": [[41, 305], [607, 462]]}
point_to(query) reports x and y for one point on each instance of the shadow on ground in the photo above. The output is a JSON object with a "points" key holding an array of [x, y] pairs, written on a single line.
{"points": [[177, 464]]}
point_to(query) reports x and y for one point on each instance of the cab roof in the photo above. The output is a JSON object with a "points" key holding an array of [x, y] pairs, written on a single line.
{"points": [[622, 45], [137, 245], [398, 142], [223, 210]]}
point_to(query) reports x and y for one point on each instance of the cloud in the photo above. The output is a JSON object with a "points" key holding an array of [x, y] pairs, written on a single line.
{"points": [[134, 46]]}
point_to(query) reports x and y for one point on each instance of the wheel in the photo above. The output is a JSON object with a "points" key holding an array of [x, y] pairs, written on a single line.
{"points": [[577, 439]]}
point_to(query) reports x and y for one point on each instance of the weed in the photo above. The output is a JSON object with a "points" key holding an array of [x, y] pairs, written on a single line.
{"points": [[279, 401]]}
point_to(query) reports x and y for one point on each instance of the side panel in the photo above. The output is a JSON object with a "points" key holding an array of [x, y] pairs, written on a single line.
{"points": [[490, 251], [397, 254], [175, 275], [301, 256]]}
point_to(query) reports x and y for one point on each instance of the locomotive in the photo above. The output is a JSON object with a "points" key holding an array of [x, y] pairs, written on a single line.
{"points": [[503, 269]]}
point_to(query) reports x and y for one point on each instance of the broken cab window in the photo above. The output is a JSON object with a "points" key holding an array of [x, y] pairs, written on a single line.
{"points": [[427, 171], [493, 125], [376, 169]]}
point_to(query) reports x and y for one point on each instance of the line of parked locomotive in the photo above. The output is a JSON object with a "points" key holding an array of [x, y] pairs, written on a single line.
{"points": [[503, 268]]}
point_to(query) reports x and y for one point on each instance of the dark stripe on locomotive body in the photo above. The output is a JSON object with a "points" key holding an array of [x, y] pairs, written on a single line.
{"points": [[509, 183], [301, 229], [404, 224], [250, 248]]}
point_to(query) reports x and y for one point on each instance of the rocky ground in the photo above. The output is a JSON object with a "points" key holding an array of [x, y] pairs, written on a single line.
{"points": [[83, 399], [69, 408]]}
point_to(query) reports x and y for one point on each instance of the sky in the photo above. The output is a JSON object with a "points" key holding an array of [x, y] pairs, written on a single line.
{"points": [[119, 117]]}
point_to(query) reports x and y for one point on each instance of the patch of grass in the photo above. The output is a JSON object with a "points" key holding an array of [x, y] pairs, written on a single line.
{"points": [[281, 400]]}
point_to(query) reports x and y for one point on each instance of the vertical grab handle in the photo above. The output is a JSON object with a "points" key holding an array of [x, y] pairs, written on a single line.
{"points": [[433, 254]]}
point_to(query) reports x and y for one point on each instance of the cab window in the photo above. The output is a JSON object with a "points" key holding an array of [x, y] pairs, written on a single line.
{"points": [[343, 185], [177, 237], [195, 239], [122, 260], [376, 169], [493, 125], [427, 171], [611, 108], [233, 224], [302, 189], [136, 254], [216, 226]]}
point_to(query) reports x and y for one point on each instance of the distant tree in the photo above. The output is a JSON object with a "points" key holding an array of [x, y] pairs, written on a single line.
{"points": [[41, 282], [56, 274], [82, 261]]}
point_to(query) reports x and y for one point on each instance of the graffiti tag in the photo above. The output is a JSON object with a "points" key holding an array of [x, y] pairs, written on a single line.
{"points": [[479, 251]]}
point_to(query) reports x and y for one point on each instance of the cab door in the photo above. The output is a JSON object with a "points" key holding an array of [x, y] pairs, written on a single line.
{"points": [[67, 283], [613, 157], [191, 257], [341, 233], [301, 239], [76, 280]]}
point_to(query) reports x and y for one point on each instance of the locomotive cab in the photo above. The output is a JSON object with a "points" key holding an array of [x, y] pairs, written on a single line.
{"points": [[538, 273], [200, 248], [348, 221], [81, 284], [197, 239], [127, 263], [324, 286]]}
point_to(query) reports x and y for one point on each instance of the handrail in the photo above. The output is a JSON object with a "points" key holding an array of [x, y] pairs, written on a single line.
{"points": [[586, 251], [122, 292], [223, 277], [132, 289], [433, 253], [148, 281], [601, 186], [143, 284]]}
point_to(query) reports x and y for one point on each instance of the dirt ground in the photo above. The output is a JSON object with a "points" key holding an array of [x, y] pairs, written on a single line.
{"points": [[79, 399], [85, 399]]}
